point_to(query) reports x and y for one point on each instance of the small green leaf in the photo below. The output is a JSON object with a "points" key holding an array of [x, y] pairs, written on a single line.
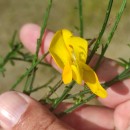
{"points": [[11, 43]]}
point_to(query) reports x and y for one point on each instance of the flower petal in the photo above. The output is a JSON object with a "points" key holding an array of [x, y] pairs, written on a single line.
{"points": [[91, 79], [77, 74], [67, 74], [58, 50], [66, 35], [78, 47]]}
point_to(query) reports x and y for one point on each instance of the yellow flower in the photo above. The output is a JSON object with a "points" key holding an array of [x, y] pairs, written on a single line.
{"points": [[70, 54]]}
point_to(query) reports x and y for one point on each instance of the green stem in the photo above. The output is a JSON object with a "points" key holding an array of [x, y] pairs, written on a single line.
{"points": [[28, 72], [26, 84], [123, 75], [81, 17], [35, 62], [9, 55], [33, 74], [56, 86], [78, 94], [11, 43], [43, 86], [29, 60], [75, 106], [118, 17], [29, 83], [45, 19], [96, 46], [63, 96], [39, 41]]}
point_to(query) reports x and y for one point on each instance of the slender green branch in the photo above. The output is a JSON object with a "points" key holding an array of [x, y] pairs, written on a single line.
{"points": [[75, 106], [91, 42], [124, 75], [63, 96], [81, 17], [29, 60], [78, 94], [21, 54], [25, 89], [56, 86], [45, 19], [39, 41], [43, 86], [35, 60], [124, 63], [53, 89], [98, 42], [11, 43], [118, 17], [10, 54], [32, 79], [27, 72], [29, 82]]}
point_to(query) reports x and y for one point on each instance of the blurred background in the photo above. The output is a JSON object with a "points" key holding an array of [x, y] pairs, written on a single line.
{"points": [[64, 14]]}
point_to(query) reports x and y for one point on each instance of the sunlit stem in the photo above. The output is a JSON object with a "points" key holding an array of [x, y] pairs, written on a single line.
{"points": [[44, 85], [55, 87], [39, 41], [27, 72], [98, 42], [63, 96], [75, 106], [118, 17], [29, 61], [78, 94], [44, 24], [81, 17], [123, 75], [29, 82]]}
